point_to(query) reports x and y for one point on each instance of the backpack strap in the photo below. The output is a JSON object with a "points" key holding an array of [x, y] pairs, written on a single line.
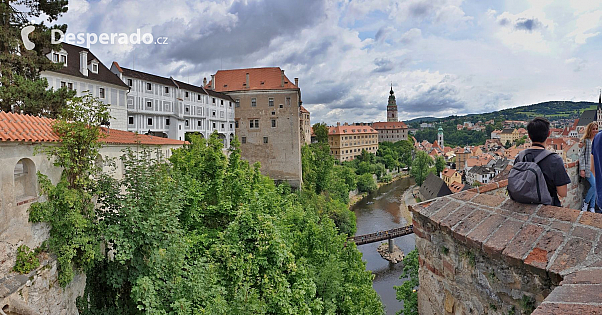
{"points": [[542, 155]]}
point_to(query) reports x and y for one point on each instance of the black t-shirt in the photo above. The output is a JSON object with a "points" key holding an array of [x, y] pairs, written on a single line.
{"points": [[553, 170]]}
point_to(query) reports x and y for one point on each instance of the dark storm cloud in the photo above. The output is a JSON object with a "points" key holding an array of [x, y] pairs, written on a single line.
{"points": [[383, 65], [437, 98], [311, 53], [257, 24], [527, 24]]}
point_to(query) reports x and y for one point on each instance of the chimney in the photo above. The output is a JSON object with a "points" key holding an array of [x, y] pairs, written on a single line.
{"points": [[213, 81], [338, 124], [247, 81], [282, 77], [345, 124], [297, 82], [83, 62], [204, 81]]}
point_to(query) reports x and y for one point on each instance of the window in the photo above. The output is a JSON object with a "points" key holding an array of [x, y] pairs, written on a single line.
{"points": [[221, 102], [131, 120], [281, 106], [237, 102], [130, 83], [273, 123], [236, 124], [230, 104], [253, 102], [213, 113], [213, 125], [243, 140], [186, 122], [101, 92], [95, 68], [25, 180], [288, 101], [167, 90], [273, 113], [64, 59], [198, 123], [149, 104], [254, 123], [230, 126], [271, 101], [186, 93], [222, 126], [148, 87], [198, 97], [221, 114], [55, 57], [150, 121], [70, 86], [63, 84], [166, 121], [187, 109], [265, 139], [214, 100]]}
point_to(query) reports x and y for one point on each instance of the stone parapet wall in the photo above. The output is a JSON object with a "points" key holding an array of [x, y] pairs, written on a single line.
{"points": [[482, 253]]}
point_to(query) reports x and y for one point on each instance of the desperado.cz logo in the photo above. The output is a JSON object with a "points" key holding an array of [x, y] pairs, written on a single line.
{"points": [[87, 39], [29, 45]]}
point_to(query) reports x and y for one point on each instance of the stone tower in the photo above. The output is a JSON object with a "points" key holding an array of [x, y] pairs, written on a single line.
{"points": [[599, 111], [440, 137], [392, 107]]}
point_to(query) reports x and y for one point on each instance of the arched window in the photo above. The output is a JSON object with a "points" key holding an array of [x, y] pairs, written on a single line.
{"points": [[25, 182]]}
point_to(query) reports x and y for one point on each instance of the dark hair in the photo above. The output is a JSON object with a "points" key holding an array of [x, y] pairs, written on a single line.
{"points": [[538, 129]]}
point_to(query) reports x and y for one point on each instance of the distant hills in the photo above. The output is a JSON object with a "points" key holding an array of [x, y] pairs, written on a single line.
{"points": [[552, 110]]}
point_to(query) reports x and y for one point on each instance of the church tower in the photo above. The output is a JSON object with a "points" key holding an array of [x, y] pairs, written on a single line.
{"points": [[392, 107], [440, 138], [599, 111]]}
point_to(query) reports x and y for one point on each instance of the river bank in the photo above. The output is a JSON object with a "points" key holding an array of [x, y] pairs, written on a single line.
{"points": [[355, 198]]}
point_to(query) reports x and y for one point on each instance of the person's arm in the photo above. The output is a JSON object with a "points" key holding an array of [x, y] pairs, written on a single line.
{"points": [[561, 190], [591, 165]]}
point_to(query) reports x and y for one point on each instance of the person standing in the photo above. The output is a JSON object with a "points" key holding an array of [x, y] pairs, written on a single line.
{"points": [[585, 166]]}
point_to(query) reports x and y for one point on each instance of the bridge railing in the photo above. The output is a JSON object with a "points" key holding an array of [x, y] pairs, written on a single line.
{"points": [[382, 235]]}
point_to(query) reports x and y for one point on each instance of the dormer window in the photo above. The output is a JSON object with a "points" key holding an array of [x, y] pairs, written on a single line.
{"points": [[55, 57], [93, 66], [64, 59]]}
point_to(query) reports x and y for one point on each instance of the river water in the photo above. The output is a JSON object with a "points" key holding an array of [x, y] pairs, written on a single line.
{"points": [[381, 211]]}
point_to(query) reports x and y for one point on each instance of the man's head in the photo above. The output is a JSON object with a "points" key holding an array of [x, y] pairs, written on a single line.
{"points": [[539, 129]]}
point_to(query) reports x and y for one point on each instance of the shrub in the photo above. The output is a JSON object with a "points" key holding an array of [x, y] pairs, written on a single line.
{"points": [[26, 260]]}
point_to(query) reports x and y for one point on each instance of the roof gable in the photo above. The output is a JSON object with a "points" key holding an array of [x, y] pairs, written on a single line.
{"points": [[270, 78]]}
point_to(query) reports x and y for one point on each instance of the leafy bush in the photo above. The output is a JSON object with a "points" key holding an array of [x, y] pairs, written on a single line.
{"points": [[407, 291], [386, 178], [366, 183], [26, 260]]}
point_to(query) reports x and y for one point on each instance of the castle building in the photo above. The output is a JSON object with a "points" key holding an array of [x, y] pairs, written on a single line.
{"points": [[392, 107], [269, 120]]}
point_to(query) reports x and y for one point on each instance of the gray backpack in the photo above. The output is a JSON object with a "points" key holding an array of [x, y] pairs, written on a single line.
{"points": [[526, 183]]}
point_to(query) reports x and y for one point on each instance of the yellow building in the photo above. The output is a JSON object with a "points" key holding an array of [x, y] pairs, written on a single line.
{"points": [[510, 135], [450, 175], [347, 141]]}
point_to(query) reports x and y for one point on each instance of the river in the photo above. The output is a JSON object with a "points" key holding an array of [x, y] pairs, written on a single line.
{"points": [[381, 211]]}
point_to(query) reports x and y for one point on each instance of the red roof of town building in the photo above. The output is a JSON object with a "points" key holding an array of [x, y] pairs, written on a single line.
{"points": [[456, 187], [350, 129], [303, 110], [259, 79], [389, 125], [449, 172], [26, 128]]}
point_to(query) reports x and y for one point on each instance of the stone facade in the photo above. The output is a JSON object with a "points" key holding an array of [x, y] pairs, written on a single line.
{"points": [[482, 253], [347, 141]]}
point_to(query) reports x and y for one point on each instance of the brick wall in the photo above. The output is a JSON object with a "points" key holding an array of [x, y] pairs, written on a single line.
{"points": [[482, 253]]}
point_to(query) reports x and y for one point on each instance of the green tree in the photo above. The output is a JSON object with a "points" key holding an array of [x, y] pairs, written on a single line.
{"points": [[439, 164], [321, 132], [21, 88], [407, 291], [420, 166], [507, 145], [69, 208], [366, 183]]}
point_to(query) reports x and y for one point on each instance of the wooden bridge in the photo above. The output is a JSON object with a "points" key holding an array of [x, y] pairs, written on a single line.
{"points": [[382, 235]]}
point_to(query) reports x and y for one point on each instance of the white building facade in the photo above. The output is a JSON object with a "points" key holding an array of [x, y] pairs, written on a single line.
{"points": [[84, 73], [170, 108]]}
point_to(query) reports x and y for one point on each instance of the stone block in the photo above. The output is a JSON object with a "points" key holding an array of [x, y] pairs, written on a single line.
{"points": [[445, 211], [455, 217], [567, 309], [464, 196], [480, 233], [562, 214], [576, 293], [561, 226], [502, 237], [592, 276], [517, 207], [522, 243], [470, 222], [573, 253], [449, 302], [540, 256], [586, 233], [591, 219], [488, 200]]}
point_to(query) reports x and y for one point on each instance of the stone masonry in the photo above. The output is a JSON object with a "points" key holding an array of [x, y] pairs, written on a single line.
{"points": [[482, 253]]}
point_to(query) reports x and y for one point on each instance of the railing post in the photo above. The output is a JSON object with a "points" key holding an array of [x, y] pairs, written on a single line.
{"points": [[390, 245]]}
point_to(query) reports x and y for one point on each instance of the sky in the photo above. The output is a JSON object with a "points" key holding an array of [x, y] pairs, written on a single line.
{"points": [[443, 57]]}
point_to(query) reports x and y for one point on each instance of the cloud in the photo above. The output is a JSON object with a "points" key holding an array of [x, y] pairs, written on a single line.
{"points": [[382, 33], [527, 24], [383, 65]]}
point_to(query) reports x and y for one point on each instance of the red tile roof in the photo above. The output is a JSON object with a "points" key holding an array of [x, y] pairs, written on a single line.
{"points": [[350, 129], [26, 128], [303, 110], [259, 79], [449, 172], [389, 125], [456, 187]]}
